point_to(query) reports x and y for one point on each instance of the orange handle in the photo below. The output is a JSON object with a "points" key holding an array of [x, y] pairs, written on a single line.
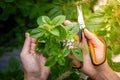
{"points": [[92, 52], [77, 66]]}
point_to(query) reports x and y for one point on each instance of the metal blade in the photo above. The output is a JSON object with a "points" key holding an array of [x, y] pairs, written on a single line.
{"points": [[80, 17]]}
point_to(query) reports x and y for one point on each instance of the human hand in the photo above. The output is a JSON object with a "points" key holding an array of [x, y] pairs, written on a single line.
{"points": [[100, 72], [32, 61]]}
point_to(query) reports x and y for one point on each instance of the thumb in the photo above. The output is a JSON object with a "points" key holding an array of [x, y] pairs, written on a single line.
{"points": [[67, 22], [89, 35], [26, 45], [92, 37]]}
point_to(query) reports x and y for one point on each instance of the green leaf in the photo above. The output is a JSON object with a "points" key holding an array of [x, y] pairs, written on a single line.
{"points": [[46, 19], [74, 27], [62, 31], [61, 61], [39, 20], [66, 51], [43, 19], [78, 54], [55, 32], [36, 33], [75, 30], [50, 61], [58, 20]]}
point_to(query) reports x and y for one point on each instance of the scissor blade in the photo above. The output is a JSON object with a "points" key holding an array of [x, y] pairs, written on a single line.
{"points": [[80, 17]]}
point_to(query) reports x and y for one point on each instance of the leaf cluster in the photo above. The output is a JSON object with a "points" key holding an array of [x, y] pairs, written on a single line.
{"points": [[51, 34], [18, 16]]}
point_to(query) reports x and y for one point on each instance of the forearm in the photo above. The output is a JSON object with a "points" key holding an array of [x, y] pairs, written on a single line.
{"points": [[35, 76], [31, 77], [107, 74]]}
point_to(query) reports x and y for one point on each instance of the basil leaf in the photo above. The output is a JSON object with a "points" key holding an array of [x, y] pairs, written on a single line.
{"points": [[43, 19], [78, 54], [39, 20], [36, 33], [46, 19], [55, 32], [75, 30], [50, 61], [66, 51], [74, 27], [61, 61], [63, 32], [58, 20]]}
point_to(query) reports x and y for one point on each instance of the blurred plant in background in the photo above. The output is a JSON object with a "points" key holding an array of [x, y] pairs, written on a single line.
{"points": [[17, 16], [13, 72]]}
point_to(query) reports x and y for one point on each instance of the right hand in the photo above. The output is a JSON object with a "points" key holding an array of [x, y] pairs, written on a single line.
{"points": [[88, 68]]}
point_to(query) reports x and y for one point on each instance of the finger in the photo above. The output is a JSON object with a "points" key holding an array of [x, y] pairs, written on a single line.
{"points": [[85, 48], [32, 48], [66, 22], [34, 40], [84, 41], [98, 47], [76, 63], [89, 35], [44, 69], [26, 45]]}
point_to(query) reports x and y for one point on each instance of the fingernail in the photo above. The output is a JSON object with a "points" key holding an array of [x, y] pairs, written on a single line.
{"points": [[85, 30], [66, 22], [26, 34]]}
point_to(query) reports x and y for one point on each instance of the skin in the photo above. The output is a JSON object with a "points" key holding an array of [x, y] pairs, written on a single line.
{"points": [[101, 72], [34, 68], [32, 61]]}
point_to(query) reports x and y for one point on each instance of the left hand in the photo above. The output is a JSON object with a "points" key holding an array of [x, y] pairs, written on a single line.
{"points": [[32, 61]]}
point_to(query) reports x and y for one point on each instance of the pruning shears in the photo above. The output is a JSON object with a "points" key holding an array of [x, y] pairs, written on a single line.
{"points": [[90, 45]]}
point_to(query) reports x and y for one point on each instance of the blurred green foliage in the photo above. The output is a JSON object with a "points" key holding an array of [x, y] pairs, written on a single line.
{"points": [[13, 72], [16, 17]]}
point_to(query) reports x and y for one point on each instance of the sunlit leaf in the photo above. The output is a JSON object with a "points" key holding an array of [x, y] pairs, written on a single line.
{"points": [[43, 19], [55, 32], [78, 54], [36, 33], [66, 51], [58, 20]]}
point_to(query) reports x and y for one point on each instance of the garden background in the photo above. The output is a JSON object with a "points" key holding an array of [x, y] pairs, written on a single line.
{"points": [[18, 16]]}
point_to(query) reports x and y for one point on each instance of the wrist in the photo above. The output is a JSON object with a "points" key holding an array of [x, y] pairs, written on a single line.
{"points": [[106, 73], [32, 76]]}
